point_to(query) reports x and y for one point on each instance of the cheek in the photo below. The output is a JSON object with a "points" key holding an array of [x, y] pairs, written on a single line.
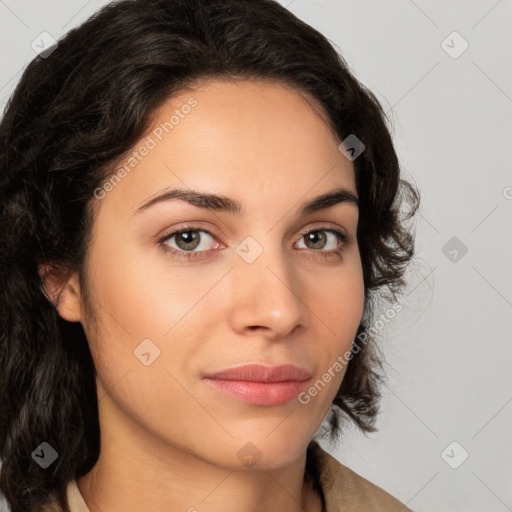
{"points": [[342, 303], [130, 294], [144, 310], [340, 308]]}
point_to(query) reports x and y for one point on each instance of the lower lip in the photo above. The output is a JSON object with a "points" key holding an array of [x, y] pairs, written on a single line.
{"points": [[260, 393]]}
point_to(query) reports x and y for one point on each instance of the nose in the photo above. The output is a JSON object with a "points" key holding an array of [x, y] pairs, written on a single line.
{"points": [[267, 297]]}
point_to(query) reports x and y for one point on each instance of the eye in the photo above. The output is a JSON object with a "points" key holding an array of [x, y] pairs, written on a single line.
{"points": [[184, 242], [317, 238]]}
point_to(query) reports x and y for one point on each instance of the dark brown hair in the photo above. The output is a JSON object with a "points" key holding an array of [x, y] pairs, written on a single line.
{"points": [[74, 113]]}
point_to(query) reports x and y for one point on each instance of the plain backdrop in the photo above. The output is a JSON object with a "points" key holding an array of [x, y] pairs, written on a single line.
{"points": [[443, 72]]}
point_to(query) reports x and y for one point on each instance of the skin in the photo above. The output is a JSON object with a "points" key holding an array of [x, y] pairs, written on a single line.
{"points": [[168, 440]]}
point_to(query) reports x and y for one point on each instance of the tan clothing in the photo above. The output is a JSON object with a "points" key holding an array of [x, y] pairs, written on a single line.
{"points": [[343, 490], [346, 491]]}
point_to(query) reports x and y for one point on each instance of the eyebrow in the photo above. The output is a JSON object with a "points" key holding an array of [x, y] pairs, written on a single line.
{"points": [[222, 203]]}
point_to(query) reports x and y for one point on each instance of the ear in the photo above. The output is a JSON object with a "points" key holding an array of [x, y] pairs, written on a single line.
{"points": [[65, 296]]}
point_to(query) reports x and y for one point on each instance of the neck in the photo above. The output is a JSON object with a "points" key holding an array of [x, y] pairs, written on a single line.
{"points": [[138, 471]]}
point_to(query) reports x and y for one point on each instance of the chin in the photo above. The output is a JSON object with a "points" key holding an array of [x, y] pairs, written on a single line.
{"points": [[270, 449]]}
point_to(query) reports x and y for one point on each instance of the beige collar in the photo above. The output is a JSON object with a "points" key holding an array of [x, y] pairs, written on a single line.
{"points": [[344, 490]]}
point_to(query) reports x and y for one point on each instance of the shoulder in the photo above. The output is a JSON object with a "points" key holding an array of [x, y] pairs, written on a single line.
{"points": [[345, 490]]}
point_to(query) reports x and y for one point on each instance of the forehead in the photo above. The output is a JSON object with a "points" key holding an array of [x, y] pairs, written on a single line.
{"points": [[246, 103], [247, 93], [242, 136]]}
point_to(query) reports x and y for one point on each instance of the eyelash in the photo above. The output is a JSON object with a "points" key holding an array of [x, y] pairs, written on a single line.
{"points": [[189, 255]]}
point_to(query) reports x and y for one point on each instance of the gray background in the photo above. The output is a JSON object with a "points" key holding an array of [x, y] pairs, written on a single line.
{"points": [[449, 350]]}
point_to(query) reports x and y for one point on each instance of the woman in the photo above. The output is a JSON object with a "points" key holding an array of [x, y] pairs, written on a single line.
{"points": [[200, 205]]}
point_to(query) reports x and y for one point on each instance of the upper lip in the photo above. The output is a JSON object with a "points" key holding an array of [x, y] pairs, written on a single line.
{"points": [[262, 373]]}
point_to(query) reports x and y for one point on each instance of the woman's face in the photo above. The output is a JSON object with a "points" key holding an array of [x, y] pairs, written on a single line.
{"points": [[256, 289]]}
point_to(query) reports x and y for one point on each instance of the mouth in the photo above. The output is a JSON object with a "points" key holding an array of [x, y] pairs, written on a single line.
{"points": [[261, 385]]}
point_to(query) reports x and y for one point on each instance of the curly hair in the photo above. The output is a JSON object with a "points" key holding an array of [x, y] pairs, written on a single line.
{"points": [[73, 115]]}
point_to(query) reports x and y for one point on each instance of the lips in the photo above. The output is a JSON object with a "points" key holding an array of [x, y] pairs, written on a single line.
{"points": [[261, 373], [260, 385]]}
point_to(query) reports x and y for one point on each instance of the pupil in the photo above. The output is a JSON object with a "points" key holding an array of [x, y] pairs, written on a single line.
{"points": [[320, 236], [191, 243]]}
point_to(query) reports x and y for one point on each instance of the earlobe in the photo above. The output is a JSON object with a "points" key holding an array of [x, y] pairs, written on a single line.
{"points": [[65, 297]]}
